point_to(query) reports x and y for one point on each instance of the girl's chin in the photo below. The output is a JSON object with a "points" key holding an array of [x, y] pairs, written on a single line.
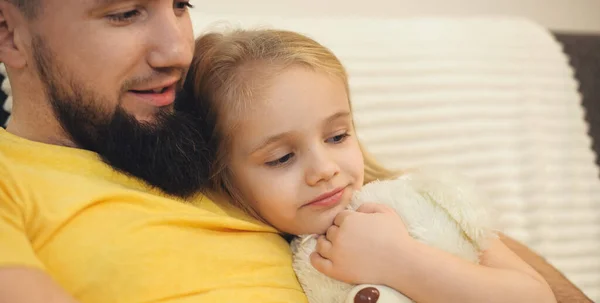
{"points": [[320, 225]]}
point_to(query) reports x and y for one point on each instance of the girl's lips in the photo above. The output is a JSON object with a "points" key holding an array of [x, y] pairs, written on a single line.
{"points": [[328, 199]]}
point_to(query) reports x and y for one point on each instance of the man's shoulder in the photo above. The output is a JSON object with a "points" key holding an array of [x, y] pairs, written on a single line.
{"points": [[18, 166], [6, 173]]}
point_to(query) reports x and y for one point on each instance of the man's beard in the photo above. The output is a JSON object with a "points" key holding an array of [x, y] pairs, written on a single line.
{"points": [[169, 153]]}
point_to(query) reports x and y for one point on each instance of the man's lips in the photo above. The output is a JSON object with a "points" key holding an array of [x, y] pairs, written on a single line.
{"points": [[328, 199], [158, 97]]}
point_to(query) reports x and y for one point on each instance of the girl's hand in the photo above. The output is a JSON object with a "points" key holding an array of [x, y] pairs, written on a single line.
{"points": [[359, 247]]}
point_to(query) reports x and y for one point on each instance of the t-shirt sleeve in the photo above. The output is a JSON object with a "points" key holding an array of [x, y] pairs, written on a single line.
{"points": [[15, 246]]}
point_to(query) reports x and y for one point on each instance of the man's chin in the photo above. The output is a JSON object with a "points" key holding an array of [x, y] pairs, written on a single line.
{"points": [[167, 151], [152, 118]]}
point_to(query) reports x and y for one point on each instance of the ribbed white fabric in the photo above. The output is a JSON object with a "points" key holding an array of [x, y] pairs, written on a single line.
{"points": [[492, 97]]}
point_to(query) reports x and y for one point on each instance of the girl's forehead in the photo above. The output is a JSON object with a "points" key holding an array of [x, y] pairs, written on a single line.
{"points": [[295, 101]]}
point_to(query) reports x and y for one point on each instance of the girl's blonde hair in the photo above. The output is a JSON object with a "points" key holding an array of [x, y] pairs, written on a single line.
{"points": [[227, 74]]}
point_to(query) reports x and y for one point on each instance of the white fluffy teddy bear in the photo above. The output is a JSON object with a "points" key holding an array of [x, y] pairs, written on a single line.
{"points": [[439, 209]]}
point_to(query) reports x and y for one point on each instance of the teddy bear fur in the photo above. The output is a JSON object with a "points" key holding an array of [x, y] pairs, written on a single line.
{"points": [[439, 208]]}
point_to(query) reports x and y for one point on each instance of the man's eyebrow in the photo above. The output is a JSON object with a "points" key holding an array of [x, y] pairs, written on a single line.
{"points": [[109, 2], [105, 2]]}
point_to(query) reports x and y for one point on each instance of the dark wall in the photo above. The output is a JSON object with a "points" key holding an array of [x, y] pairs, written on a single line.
{"points": [[3, 114], [584, 54]]}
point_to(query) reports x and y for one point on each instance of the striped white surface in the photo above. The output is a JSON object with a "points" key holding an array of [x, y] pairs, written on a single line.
{"points": [[494, 98]]}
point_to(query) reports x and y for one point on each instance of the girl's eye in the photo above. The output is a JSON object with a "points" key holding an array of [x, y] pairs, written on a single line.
{"points": [[124, 17], [283, 160], [338, 139]]}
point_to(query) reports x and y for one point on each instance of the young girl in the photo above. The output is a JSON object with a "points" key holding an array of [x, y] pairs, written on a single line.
{"points": [[288, 154]]}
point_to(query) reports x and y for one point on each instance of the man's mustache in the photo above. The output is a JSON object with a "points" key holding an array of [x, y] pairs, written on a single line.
{"points": [[157, 76]]}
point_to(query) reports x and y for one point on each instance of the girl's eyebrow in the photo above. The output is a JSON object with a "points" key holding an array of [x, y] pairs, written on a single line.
{"points": [[272, 139], [338, 115]]}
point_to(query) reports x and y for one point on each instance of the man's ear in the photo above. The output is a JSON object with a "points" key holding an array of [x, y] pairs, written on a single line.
{"points": [[11, 51]]}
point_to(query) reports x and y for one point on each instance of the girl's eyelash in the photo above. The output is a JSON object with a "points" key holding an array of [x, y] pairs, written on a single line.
{"points": [[337, 139], [340, 138], [281, 161]]}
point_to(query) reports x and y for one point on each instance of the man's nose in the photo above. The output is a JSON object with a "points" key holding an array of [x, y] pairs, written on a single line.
{"points": [[172, 42]]}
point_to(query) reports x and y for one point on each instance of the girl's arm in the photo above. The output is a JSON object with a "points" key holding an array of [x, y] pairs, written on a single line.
{"points": [[360, 249], [431, 275]]}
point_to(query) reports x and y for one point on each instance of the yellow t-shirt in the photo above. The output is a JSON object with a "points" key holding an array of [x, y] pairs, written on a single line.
{"points": [[105, 237]]}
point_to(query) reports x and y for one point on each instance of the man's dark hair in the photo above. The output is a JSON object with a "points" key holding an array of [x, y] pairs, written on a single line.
{"points": [[29, 8]]}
